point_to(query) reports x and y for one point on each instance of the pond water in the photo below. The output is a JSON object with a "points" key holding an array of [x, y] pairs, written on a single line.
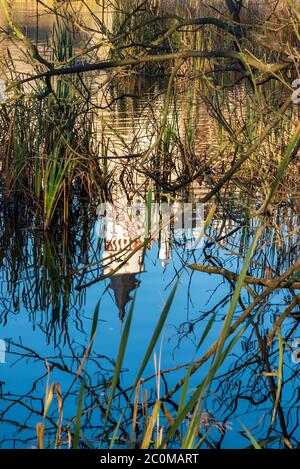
{"points": [[50, 284], [46, 323]]}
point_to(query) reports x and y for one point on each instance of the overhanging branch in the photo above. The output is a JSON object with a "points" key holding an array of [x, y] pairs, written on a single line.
{"points": [[245, 58]]}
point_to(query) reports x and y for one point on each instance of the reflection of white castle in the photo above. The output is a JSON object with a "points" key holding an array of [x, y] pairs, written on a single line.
{"points": [[123, 254], [124, 228]]}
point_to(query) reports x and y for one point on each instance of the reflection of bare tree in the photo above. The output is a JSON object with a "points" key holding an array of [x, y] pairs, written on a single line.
{"points": [[249, 381], [30, 404], [249, 386], [245, 385]]}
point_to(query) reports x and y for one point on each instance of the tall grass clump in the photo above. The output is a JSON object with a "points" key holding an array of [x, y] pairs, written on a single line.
{"points": [[49, 154]]}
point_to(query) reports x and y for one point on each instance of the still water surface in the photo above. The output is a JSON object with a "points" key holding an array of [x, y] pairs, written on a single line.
{"points": [[48, 297]]}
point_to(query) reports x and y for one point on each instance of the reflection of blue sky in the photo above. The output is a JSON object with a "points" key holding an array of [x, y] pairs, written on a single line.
{"points": [[151, 296]]}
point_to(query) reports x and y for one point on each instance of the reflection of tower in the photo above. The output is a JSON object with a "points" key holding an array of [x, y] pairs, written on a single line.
{"points": [[123, 267], [123, 257], [161, 224], [123, 285], [165, 248]]}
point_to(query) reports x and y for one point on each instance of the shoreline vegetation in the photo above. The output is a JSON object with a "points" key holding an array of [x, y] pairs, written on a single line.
{"points": [[231, 64]]}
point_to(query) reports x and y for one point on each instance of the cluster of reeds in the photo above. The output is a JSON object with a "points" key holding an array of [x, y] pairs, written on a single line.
{"points": [[51, 262], [48, 154], [155, 26]]}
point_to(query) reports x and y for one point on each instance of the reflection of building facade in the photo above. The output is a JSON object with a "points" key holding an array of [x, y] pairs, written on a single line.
{"points": [[123, 228]]}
